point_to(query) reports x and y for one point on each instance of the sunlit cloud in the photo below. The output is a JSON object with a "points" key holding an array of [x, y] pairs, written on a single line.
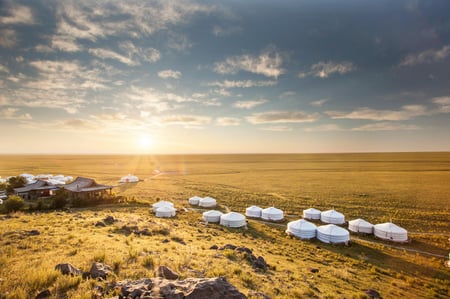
{"points": [[318, 103], [109, 54], [18, 14], [325, 69], [277, 129], [62, 43], [324, 128], [242, 84], [227, 121], [4, 69], [166, 74], [268, 63], [137, 53], [187, 121], [407, 112], [443, 104], [12, 114], [248, 104], [386, 126], [8, 38], [427, 56], [282, 117]]}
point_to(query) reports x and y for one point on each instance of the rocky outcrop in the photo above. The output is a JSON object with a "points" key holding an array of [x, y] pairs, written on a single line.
{"points": [[166, 272], [257, 262], [99, 270], [68, 269], [191, 288]]}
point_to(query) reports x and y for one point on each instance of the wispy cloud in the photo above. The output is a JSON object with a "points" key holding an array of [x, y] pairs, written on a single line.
{"points": [[11, 113], [277, 129], [187, 121], [62, 43], [137, 53], [221, 31], [249, 104], [325, 128], [407, 112], [443, 104], [109, 54], [268, 63], [18, 14], [386, 126], [8, 38], [166, 74], [4, 69], [288, 94], [427, 56], [282, 117], [325, 69], [227, 121], [318, 103], [242, 84]]}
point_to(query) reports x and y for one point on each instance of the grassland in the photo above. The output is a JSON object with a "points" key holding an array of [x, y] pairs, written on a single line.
{"points": [[412, 189]]}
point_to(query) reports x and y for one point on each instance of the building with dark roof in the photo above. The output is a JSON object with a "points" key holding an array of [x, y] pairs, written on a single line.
{"points": [[86, 188], [36, 190]]}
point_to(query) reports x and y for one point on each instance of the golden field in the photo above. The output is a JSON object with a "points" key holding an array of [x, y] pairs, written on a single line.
{"points": [[412, 189]]}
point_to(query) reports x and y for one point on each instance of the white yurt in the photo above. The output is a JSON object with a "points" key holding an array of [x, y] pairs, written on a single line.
{"points": [[331, 233], [233, 219], [311, 213], [360, 226], [390, 231], [332, 216], [272, 214], [207, 202], [302, 229], [43, 176], [194, 200], [165, 211], [129, 179], [212, 216], [28, 177], [253, 211], [160, 204]]}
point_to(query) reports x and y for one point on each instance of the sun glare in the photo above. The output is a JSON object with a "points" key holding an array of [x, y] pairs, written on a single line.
{"points": [[145, 142]]}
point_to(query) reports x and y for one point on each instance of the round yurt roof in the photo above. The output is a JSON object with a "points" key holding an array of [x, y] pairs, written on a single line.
{"points": [[195, 197], [27, 175], [233, 216], [129, 178], [332, 230], [333, 214], [213, 213], [272, 211], [208, 199], [360, 223], [254, 209], [166, 209], [312, 211], [161, 204], [301, 224], [390, 227]]}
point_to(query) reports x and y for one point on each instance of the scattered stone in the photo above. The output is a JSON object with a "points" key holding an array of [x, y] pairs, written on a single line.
{"points": [[109, 220], [191, 288], [214, 247], [68, 269], [99, 270], [44, 294], [244, 249], [314, 270], [165, 241], [100, 224], [373, 294], [260, 263], [228, 246], [166, 272], [34, 232]]}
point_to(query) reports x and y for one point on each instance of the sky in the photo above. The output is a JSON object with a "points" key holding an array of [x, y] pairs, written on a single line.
{"points": [[182, 77]]}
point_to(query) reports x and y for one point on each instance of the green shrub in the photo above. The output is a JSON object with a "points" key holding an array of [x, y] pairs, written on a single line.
{"points": [[13, 203]]}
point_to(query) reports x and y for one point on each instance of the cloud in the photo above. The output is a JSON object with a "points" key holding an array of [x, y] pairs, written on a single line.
{"points": [[282, 117], [18, 14], [248, 104], [443, 104], [318, 103], [325, 69], [386, 126], [8, 38], [109, 54], [187, 121], [407, 112], [324, 128], [427, 56], [11, 113], [288, 94], [4, 69], [277, 129], [268, 63], [63, 43], [228, 121], [166, 74], [148, 54], [242, 84], [220, 31]]}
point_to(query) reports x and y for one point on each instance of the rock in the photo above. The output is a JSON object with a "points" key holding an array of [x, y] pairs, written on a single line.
{"points": [[214, 247], [260, 263], [373, 294], [44, 294], [191, 288], [244, 249], [167, 273], [228, 246], [99, 270], [109, 220], [100, 224], [165, 241], [314, 270], [34, 232], [68, 269]]}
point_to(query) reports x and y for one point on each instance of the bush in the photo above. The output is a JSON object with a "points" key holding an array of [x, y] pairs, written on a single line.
{"points": [[15, 182], [13, 203], [60, 199]]}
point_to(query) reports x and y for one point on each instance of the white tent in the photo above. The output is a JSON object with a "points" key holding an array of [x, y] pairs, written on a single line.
{"points": [[160, 204], [129, 179], [43, 176], [311, 213], [212, 216], [207, 202], [253, 211], [165, 211], [332, 216], [360, 226], [233, 219], [2, 181], [272, 214], [390, 231], [194, 200], [302, 229], [331, 233]]}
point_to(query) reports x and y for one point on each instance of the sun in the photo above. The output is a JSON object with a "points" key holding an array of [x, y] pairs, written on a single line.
{"points": [[145, 141]]}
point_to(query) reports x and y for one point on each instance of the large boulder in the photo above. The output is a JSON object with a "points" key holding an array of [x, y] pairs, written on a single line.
{"points": [[99, 270], [68, 269]]}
